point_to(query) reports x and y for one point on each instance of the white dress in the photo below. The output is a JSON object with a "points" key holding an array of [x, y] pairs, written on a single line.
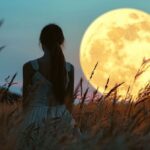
{"points": [[37, 111], [38, 108]]}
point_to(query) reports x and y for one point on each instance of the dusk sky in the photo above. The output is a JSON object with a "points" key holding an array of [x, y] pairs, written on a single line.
{"points": [[23, 21]]}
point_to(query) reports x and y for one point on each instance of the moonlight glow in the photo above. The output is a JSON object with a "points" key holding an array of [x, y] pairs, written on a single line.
{"points": [[118, 40]]}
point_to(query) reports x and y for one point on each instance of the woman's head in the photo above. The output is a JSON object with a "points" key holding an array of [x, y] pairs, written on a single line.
{"points": [[51, 39], [51, 36]]}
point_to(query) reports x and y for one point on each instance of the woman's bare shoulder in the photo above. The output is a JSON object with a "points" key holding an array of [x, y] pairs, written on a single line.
{"points": [[27, 65], [29, 62]]}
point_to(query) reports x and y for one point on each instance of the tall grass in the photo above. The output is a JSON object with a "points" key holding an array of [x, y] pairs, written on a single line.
{"points": [[105, 123]]}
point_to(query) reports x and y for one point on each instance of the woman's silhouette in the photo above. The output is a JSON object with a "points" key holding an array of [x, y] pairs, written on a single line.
{"points": [[48, 81]]}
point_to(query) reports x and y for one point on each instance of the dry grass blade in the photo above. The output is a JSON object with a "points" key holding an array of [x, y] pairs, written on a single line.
{"points": [[83, 98], [128, 90], [11, 82], [136, 119], [93, 70], [106, 85], [130, 109], [78, 87], [137, 123], [94, 94], [112, 116], [4, 95], [114, 89], [82, 107], [142, 100], [140, 72], [145, 61], [142, 68]]}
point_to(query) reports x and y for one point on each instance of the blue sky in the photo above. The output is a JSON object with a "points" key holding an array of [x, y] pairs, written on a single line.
{"points": [[25, 19]]}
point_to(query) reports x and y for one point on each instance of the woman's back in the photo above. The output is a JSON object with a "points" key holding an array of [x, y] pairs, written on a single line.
{"points": [[42, 103], [43, 87]]}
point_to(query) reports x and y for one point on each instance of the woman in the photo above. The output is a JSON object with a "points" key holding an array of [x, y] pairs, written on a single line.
{"points": [[48, 81]]}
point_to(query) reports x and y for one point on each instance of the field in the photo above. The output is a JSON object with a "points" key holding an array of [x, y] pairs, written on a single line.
{"points": [[106, 122]]}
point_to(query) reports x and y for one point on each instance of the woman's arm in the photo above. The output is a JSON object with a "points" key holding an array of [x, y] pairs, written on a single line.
{"points": [[26, 81], [70, 89]]}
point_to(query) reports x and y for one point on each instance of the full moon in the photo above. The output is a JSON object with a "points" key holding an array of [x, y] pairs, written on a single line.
{"points": [[118, 40]]}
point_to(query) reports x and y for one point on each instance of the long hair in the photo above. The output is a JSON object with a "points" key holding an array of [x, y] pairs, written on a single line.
{"points": [[52, 38]]}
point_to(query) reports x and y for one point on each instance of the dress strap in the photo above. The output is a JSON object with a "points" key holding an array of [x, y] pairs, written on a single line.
{"points": [[35, 65], [68, 67]]}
